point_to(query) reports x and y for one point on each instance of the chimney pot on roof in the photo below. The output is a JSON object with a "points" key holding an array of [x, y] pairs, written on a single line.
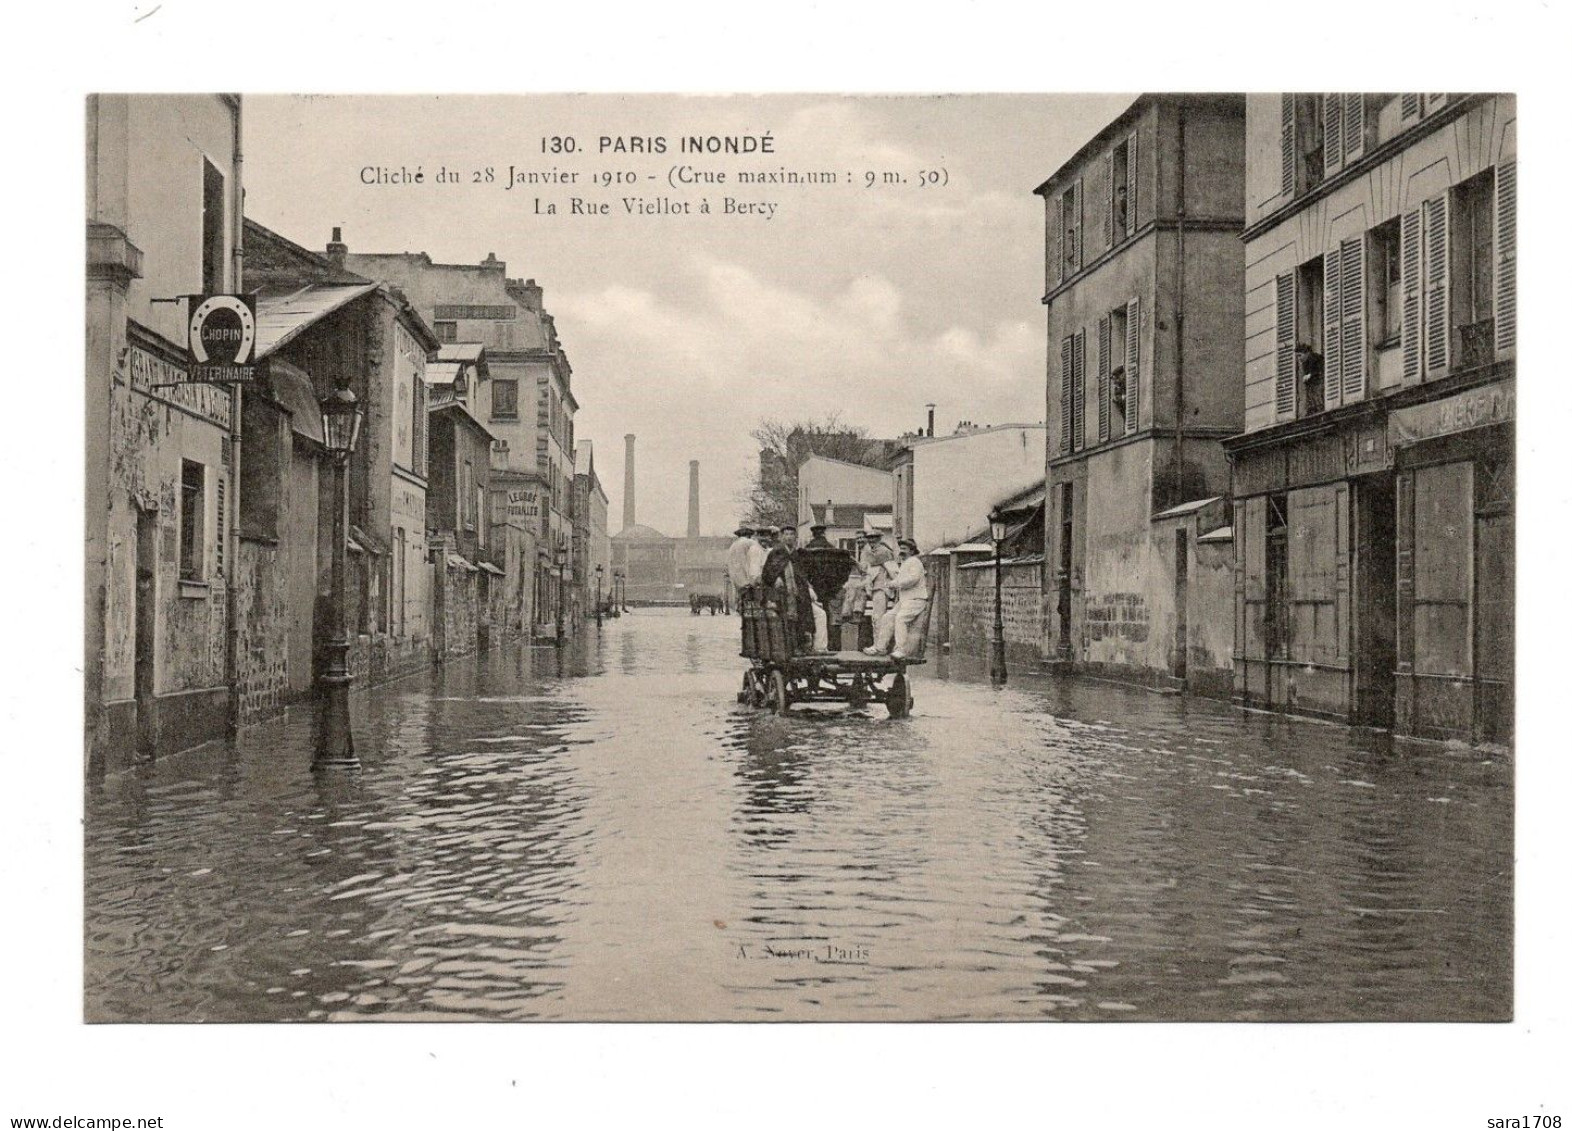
{"points": [[337, 249]]}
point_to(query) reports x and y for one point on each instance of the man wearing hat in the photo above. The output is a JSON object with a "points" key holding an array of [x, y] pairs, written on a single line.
{"points": [[904, 622], [818, 541], [744, 560]]}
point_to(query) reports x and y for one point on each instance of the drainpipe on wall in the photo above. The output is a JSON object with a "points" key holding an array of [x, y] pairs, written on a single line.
{"points": [[232, 501], [1179, 326]]}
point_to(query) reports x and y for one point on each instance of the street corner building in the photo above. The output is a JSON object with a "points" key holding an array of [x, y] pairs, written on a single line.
{"points": [[1144, 299], [163, 220], [1373, 498]]}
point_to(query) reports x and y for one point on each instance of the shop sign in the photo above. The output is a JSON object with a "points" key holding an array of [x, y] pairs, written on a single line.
{"points": [[1477, 408], [222, 339], [523, 504]]}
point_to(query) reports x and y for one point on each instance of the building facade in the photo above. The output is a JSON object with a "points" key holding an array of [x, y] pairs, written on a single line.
{"points": [[1373, 483], [1145, 340], [530, 398], [941, 484], [591, 509], [163, 221], [469, 598]]}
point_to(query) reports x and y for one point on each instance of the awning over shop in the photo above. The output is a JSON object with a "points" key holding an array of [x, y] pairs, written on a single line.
{"points": [[489, 568], [293, 389], [459, 561], [366, 543], [281, 317]]}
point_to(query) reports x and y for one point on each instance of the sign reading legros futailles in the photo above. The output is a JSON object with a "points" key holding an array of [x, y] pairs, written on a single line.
{"points": [[222, 338]]}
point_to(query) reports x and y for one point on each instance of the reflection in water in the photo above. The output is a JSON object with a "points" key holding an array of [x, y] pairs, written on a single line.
{"points": [[627, 842]]}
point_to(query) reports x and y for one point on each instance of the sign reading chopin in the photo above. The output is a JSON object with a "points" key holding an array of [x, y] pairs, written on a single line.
{"points": [[223, 338]]}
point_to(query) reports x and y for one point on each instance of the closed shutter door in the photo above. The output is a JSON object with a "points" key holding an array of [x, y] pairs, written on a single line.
{"points": [[1288, 145], [1332, 117], [1343, 579], [1285, 347], [1353, 316], [1332, 321], [1410, 265], [1506, 259], [1103, 351], [1079, 436], [1066, 394], [1250, 536], [1132, 366], [1353, 128], [1437, 272]]}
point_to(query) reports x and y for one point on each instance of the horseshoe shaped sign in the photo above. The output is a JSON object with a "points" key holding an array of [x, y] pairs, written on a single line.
{"points": [[223, 338]]}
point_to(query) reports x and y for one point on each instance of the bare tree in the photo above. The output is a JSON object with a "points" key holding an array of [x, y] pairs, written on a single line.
{"points": [[770, 494]]}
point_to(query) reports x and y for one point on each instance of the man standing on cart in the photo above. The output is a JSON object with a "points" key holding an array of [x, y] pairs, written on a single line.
{"points": [[902, 625], [780, 571]]}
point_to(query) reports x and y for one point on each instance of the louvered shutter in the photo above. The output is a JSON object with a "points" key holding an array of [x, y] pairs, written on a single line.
{"points": [[1410, 107], [1353, 128], [1066, 393], [1434, 102], [1332, 322], [1290, 147], [1437, 271], [1411, 262], [1130, 181], [1285, 347], [222, 524], [1506, 258], [1103, 391], [1108, 200], [1353, 317], [1079, 376], [1332, 131], [1132, 366], [1079, 217], [1058, 259]]}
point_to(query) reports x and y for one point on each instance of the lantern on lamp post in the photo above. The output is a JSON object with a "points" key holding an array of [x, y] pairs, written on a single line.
{"points": [[335, 746], [996, 671], [600, 572]]}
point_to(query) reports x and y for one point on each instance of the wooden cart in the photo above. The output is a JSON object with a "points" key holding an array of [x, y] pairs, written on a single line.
{"points": [[781, 674]]}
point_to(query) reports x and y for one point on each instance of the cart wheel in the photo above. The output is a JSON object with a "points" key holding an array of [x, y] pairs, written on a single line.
{"points": [[900, 698], [745, 696], [779, 697]]}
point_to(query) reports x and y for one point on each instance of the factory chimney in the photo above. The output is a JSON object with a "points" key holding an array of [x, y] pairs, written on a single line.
{"points": [[627, 485], [930, 419], [693, 498]]}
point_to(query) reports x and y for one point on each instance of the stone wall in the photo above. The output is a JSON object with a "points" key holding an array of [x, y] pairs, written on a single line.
{"points": [[263, 623], [971, 608]]}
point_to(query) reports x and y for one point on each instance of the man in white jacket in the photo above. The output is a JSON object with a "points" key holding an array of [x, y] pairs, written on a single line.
{"points": [[745, 560], [902, 625]]}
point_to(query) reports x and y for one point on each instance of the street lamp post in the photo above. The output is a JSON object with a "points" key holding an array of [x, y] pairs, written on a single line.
{"points": [[600, 571], [335, 747], [996, 672]]}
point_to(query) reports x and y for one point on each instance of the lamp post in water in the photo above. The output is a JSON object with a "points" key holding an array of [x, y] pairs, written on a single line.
{"points": [[600, 571], [562, 594], [996, 672], [335, 747]]}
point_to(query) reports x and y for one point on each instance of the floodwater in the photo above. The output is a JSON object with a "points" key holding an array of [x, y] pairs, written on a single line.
{"points": [[609, 836]]}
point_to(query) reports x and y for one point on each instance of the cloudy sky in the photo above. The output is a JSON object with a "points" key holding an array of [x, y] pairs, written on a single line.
{"points": [[861, 302]]}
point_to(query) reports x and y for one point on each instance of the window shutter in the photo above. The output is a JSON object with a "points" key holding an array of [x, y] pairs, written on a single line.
{"points": [[1411, 260], [1064, 228], [1079, 216], [1353, 317], [1079, 435], [1353, 128], [1290, 147], [1285, 347], [1410, 107], [1506, 258], [1343, 579], [1066, 394], [1108, 200], [222, 526], [1132, 366], [1436, 277], [1332, 130], [1103, 340], [1332, 321], [1130, 181], [1434, 102]]}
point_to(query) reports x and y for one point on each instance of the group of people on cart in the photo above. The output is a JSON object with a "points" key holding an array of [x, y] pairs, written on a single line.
{"points": [[874, 597]]}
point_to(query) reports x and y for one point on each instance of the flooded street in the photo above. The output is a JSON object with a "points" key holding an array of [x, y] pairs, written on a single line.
{"points": [[625, 842]]}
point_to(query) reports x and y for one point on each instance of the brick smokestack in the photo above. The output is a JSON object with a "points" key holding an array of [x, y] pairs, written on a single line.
{"points": [[337, 249], [628, 518], [693, 498]]}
